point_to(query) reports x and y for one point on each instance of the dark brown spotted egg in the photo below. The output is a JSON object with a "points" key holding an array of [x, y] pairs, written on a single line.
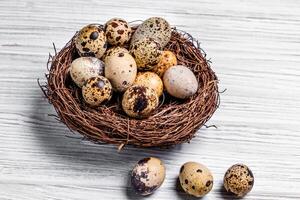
{"points": [[238, 180], [148, 175], [121, 70], [146, 53], [195, 179], [155, 28], [117, 31], [83, 68], [91, 41], [97, 90], [139, 101]]}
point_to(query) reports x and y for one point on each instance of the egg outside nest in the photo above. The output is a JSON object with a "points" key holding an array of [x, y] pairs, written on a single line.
{"points": [[148, 175], [195, 179], [238, 180]]}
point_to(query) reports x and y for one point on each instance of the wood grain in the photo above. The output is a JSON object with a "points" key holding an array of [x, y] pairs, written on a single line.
{"points": [[254, 46]]}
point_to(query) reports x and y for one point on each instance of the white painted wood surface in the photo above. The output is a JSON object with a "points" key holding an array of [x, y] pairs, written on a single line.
{"points": [[255, 50]]}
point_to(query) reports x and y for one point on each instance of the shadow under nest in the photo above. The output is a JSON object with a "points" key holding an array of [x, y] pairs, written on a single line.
{"points": [[173, 122]]}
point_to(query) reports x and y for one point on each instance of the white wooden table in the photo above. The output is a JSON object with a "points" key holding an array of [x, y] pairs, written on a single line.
{"points": [[255, 50]]}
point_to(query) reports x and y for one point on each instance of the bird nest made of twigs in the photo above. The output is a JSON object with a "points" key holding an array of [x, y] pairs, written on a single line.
{"points": [[173, 122]]}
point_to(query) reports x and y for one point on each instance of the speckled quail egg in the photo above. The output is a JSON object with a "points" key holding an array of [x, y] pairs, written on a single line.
{"points": [[180, 82], [238, 180], [167, 60], [195, 179], [121, 70], [148, 175], [150, 79], [84, 68], [112, 51], [117, 31], [91, 41], [156, 28], [97, 90], [146, 53], [139, 101]]}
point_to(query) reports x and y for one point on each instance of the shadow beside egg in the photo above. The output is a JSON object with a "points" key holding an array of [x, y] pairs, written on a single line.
{"points": [[227, 195]]}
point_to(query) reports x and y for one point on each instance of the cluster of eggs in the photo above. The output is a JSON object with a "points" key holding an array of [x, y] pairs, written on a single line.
{"points": [[195, 178], [142, 72]]}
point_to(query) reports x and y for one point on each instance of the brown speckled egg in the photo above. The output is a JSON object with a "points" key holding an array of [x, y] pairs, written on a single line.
{"points": [[148, 175], [180, 82], [121, 70], [155, 28], [117, 31], [195, 179], [139, 101], [150, 79], [238, 180], [84, 68], [167, 60], [97, 90], [112, 51], [91, 41], [146, 53]]}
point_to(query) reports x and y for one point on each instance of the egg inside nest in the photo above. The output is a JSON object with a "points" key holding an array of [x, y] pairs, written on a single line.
{"points": [[139, 101], [97, 90]]}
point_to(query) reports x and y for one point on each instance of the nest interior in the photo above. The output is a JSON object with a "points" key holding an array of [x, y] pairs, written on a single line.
{"points": [[174, 121]]}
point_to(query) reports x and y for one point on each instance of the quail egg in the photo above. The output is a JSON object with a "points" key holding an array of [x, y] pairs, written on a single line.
{"points": [[121, 70], [148, 175], [117, 31], [195, 179], [97, 90], [238, 180], [84, 68], [112, 51], [151, 80], [167, 60], [180, 82], [91, 41], [156, 28], [139, 101], [146, 53]]}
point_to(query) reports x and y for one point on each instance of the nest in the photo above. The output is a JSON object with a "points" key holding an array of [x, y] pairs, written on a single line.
{"points": [[174, 121]]}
